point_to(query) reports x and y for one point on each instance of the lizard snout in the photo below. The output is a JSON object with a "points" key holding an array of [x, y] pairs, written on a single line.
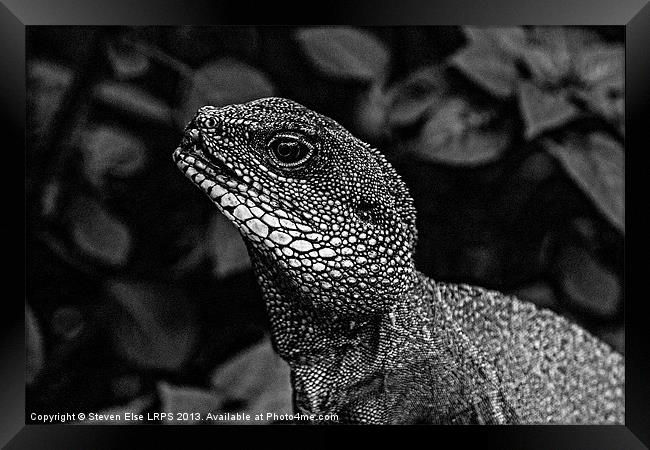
{"points": [[191, 136]]}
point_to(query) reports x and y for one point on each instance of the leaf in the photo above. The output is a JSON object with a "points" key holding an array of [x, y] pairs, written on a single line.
{"points": [[585, 227], [99, 234], [256, 381], [413, 96], [190, 246], [47, 85], [549, 57], [510, 40], [118, 413], [67, 322], [222, 83], [111, 152], [227, 249], [51, 196], [545, 70], [544, 110], [133, 100], [371, 112], [34, 347], [588, 285], [553, 52], [458, 133], [345, 53], [259, 376], [562, 41], [493, 72], [596, 165], [608, 103], [186, 399], [157, 324], [127, 63], [489, 61], [602, 66], [602, 70]]}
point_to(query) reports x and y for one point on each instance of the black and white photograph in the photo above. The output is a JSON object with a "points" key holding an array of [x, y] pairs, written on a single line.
{"points": [[325, 225]]}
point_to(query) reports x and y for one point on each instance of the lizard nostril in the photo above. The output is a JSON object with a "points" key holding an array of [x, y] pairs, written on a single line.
{"points": [[193, 134]]}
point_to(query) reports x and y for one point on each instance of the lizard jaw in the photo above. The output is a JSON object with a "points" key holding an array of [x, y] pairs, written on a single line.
{"points": [[218, 181], [192, 153], [242, 204]]}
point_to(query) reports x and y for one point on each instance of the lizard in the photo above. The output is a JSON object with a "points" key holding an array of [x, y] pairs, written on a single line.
{"points": [[331, 229]]}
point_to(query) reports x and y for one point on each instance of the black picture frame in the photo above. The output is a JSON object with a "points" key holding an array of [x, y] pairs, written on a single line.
{"points": [[16, 15]]}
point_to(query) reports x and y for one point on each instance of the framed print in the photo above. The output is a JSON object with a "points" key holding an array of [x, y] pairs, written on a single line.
{"points": [[380, 214]]}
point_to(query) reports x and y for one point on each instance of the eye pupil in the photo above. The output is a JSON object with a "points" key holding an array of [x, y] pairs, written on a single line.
{"points": [[290, 151]]}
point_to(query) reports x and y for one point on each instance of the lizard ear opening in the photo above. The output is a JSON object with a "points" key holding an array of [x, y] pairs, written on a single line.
{"points": [[366, 211]]}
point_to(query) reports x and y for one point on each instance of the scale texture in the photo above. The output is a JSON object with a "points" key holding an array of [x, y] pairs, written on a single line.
{"points": [[330, 227]]}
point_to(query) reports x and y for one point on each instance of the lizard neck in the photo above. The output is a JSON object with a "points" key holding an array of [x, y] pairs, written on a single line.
{"points": [[351, 378], [363, 368], [338, 364], [302, 332]]}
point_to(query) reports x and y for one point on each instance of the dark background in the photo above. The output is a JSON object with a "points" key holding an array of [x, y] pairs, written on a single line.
{"points": [[139, 293]]}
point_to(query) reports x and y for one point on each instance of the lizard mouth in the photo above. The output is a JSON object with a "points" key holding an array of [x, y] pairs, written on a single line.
{"points": [[210, 173], [256, 212], [191, 154], [213, 175]]}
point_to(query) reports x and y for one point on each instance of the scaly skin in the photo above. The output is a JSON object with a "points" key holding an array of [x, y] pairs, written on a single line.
{"points": [[330, 228]]}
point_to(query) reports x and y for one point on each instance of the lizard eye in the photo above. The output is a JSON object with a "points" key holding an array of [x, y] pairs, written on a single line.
{"points": [[290, 150], [210, 122]]}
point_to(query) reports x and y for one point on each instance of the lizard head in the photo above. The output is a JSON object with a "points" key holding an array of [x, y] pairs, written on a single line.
{"points": [[320, 209]]}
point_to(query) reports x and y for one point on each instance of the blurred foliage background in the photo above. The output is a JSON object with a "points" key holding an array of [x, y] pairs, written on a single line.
{"points": [[140, 296]]}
